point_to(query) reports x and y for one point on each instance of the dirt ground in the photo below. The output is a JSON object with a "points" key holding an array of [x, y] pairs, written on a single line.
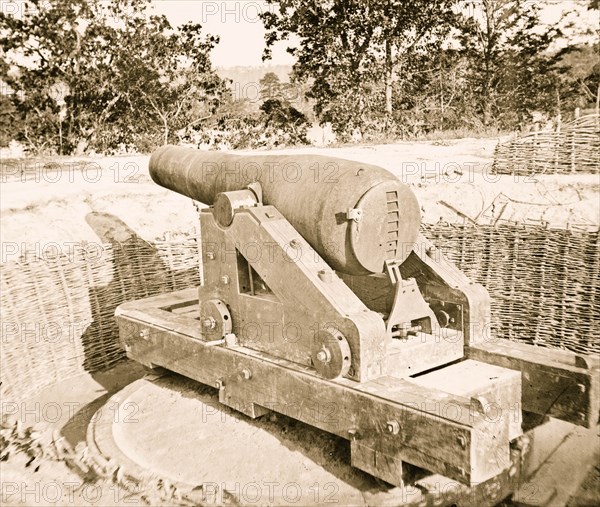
{"points": [[44, 204], [45, 201]]}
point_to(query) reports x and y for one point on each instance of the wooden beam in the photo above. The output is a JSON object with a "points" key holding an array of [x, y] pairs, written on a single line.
{"points": [[555, 383], [436, 431]]}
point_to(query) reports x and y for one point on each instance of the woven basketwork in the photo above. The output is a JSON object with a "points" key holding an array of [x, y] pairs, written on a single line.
{"points": [[58, 315], [571, 149]]}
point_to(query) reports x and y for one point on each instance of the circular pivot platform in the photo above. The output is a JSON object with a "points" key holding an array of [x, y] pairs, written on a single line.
{"points": [[175, 429]]}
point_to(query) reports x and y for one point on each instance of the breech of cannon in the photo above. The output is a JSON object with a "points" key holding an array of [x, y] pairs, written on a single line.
{"points": [[355, 215]]}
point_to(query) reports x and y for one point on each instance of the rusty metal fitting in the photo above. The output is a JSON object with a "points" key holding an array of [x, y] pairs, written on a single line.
{"points": [[393, 427], [324, 355], [325, 276], [209, 323]]}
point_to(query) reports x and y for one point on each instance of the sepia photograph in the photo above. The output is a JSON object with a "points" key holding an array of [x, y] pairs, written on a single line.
{"points": [[300, 253]]}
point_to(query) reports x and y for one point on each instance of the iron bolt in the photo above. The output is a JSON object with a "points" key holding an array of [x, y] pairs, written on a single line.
{"points": [[393, 427], [209, 323], [581, 387], [144, 334], [324, 355], [247, 374], [295, 243], [210, 255], [325, 276], [462, 441], [225, 280]]}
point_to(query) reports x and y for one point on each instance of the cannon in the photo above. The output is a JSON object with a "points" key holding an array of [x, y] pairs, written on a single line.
{"points": [[356, 216], [321, 300]]}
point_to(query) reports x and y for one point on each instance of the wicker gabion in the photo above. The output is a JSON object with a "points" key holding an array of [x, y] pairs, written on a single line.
{"points": [[58, 314], [573, 148], [544, 283]]}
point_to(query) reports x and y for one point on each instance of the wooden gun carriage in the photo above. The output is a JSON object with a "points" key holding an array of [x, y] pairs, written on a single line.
{"points": [[321, 300]]}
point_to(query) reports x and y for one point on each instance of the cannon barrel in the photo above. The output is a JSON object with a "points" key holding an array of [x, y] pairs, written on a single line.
{"points": [[355, 215]]}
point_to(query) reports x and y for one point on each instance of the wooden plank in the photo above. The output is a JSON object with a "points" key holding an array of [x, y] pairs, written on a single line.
{"points": [[421, 352], [498, 388], [557, 383], [438, 490], [551, 357], [376, 463]]}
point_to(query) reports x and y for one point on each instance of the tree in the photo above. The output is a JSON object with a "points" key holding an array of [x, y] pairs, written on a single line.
{"points": [[280, 115], [507, 49], [437, 94], [270, 86], [80, 81], [578, 69], [348, 48], [167, 74]]}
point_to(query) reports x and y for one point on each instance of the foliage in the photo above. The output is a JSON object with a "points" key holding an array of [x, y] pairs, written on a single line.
{"points": [[417, 67], [279, 115], [91, 75], [235, 127], [506, 49], [270, 87], [347, 59], [578, 70]]}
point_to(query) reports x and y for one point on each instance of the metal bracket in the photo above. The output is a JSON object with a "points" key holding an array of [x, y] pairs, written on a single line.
{"points": [[354, 214], [408, 306], [393, 270]]}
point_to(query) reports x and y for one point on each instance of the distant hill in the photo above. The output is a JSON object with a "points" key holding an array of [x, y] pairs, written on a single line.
{"points": [[245, 84], [243, 76]]}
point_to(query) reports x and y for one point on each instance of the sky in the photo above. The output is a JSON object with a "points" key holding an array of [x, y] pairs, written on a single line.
{"points": [[242, 34], [235, 21]]}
